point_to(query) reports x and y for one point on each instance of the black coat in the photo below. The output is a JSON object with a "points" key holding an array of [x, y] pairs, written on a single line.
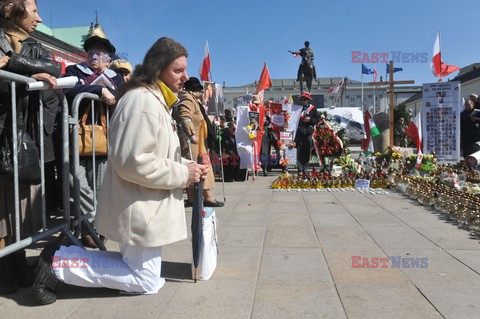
{"points": [[82, 71], [470, 132], [229, 143], [32, 59]]}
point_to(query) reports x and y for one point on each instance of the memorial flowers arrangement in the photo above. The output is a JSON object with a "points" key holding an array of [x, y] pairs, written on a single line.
{"points": [[428, 163], [328, 137]]}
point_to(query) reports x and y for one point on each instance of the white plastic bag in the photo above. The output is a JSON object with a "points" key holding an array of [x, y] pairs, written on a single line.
{"points": [[208, 251]]}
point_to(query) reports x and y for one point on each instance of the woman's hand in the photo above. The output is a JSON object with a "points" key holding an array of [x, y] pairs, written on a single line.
{"points": [[197, 171], [4, 61], [107, 97], [45, 77]]}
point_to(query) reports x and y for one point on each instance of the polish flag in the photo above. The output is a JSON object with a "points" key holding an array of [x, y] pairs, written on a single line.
{"points": [[437, 66], [334, 89], [414, 131], [205, 70]]}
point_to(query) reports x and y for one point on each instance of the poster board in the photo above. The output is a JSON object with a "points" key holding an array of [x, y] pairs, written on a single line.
{"points": [[254, 119], [219, 99], [291, 155], [441, 121], [362, 184], [210, 97]]}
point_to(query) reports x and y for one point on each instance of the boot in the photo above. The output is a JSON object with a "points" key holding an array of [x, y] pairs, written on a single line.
{"points": [[45, 286], [24, 273], [264, 171], [8, 284]]}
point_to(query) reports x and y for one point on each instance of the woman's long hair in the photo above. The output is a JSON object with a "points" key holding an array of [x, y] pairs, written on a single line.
{"points": [[13, 9], [159, 56]]}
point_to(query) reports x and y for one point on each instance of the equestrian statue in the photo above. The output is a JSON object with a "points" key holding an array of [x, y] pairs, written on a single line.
{"points": [[306, 70]]}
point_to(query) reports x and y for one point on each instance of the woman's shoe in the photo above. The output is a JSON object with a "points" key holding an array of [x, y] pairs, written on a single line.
{"points": [[8, 284], [24, 273], [45, 286], [215, 203]]}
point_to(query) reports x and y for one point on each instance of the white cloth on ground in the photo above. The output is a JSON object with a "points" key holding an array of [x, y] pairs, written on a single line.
{"points": [[134, 269]]}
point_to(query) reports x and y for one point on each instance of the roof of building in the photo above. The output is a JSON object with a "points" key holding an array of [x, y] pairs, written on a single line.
{"points": [[74, 36], [54, 42]]}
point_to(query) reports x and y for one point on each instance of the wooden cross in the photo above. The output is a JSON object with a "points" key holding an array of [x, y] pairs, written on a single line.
{"points": [[392, 83]]}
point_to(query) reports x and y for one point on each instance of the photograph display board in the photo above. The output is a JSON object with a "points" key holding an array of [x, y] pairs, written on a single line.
{"points": [[441, 121]]}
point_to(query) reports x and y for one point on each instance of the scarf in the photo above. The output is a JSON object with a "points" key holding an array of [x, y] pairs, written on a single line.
{"points": [[168, 95]]}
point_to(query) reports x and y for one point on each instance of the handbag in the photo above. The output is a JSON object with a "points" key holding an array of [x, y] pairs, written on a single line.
{"points": [[28, 155], [209, 250], [85, 145]]}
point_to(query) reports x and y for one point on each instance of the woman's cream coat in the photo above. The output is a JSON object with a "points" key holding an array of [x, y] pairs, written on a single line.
{"points": [[141, 198]]}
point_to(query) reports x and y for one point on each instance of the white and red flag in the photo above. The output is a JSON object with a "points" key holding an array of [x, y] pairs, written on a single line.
{"points": [[437, 66], [205, 70], [375, 74], [334, 89], [414, 131]]}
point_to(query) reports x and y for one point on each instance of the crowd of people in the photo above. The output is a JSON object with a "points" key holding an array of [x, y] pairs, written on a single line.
{"points": [[139, 184], [153, 145]]}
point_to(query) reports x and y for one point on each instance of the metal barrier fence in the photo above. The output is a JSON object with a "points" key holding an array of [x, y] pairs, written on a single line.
{"points": [[64, 226], [79, 218]]}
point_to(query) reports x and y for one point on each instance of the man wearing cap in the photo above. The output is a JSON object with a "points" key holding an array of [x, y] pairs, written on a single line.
{"points": [[189, 114], [303, 136], [123, 68], [99, 52]]}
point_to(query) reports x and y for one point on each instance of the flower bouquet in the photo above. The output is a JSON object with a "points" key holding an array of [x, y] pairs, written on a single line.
{"points": [[328, 139]]}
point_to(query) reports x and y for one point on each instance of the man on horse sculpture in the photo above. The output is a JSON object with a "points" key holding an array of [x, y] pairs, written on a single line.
{"points": [[306, 70]]}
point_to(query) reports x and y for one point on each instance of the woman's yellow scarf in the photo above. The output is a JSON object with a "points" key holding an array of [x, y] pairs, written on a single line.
{"points": [[168, 95]]}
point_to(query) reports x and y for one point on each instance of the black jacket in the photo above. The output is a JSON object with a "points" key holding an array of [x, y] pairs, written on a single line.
{"points": [[33, 59]]}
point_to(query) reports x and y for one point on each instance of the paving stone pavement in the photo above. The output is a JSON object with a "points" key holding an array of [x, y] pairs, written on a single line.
{"points": [[289, 255]]}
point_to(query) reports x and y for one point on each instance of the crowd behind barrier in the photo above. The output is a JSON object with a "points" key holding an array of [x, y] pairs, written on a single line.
{"points": [[75, 181], [64, 226]]}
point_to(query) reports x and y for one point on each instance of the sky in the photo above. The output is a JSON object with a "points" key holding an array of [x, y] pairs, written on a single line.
{"points": [[243, 35]]}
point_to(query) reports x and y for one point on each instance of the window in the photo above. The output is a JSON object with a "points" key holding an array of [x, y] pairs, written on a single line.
{"points": [[352, 99]]}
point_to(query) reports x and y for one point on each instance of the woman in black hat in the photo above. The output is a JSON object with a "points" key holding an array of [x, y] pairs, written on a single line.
{"points": [[189, 114], [100, 51]]}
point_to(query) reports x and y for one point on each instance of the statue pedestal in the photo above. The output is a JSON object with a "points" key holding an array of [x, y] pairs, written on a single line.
{"points": [[382, 141]]}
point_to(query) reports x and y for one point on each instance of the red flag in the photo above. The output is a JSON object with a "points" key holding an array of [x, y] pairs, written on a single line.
{"points": [[375, 74], [414, 131], [265, 80], [438, 67], [205, 71]]}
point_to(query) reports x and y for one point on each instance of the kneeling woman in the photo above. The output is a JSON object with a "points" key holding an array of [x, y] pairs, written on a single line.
{"points": [[140, 205]]}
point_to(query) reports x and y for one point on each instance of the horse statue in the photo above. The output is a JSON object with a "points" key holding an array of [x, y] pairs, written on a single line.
{"points": [[306, 70], [307, 74]]}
